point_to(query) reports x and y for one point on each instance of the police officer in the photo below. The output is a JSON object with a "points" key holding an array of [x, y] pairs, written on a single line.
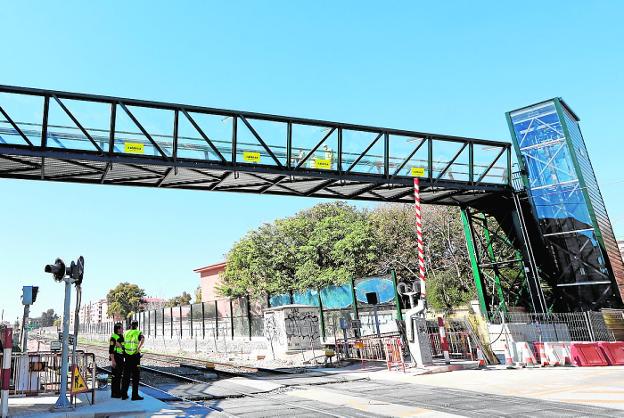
{"points": [[133, 341], [115, 355]]}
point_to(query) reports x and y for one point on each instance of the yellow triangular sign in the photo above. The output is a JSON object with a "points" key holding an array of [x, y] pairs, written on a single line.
{"points": [[78, 384]]}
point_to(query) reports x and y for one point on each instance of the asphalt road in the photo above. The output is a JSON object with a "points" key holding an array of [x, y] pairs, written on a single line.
{"points": [[385, 398]]}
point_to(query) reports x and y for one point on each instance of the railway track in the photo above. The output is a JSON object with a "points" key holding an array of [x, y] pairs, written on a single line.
{"points": [[172, 396], [156, 359], [190, 370], [173, 377]]}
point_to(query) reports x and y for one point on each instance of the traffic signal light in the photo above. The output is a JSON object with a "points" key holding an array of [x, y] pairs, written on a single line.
{"points": [[29, 294], [57, 269], [76, 271]]}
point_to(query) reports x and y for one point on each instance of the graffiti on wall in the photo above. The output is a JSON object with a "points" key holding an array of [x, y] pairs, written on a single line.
{"points": [[302, 328]]}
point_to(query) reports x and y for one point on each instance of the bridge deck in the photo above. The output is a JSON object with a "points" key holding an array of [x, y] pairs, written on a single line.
{"points": [[70, 137]]}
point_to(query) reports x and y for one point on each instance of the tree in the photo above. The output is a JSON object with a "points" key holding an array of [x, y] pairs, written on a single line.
{"points": [[331, 243], [447, 266], [327, 244], [124, 300], [198, 295], [48, 318], [183, 299]]}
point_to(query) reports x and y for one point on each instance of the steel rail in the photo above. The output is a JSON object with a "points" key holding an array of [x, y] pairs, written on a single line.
{"points": [[242, 393], [182, 398]]}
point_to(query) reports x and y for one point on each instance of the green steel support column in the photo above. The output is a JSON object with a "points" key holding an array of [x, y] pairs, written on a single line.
{"points": [[321, 316], [396, 296], [490, 250], [476, 273]]}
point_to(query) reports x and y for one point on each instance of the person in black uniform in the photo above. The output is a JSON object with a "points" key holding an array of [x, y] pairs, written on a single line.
{"points": [[116, 357], [133, 341]]}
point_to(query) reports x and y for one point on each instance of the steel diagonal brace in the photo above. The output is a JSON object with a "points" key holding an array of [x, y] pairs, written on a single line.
{"points": [[259, 138], [142, 129], [14, 125], [203, 134], [78, 124], [409, 157], [313, 150], [482, 176], [450, 163], [371, 145]]}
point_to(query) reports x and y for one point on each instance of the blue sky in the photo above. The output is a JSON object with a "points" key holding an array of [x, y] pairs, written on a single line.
{"points": [[453, 68]]}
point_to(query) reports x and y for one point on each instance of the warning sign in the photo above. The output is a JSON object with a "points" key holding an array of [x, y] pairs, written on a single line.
{"points": [[251, 157], [134, 148], [418, 171], [78, 384], [322, 164]]}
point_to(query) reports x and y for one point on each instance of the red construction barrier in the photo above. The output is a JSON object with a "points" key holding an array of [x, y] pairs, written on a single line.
{"points": [[587, 354], [537, 351], [394, 353], [614, 352]]}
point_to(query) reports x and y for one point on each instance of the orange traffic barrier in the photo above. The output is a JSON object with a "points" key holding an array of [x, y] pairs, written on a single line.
{"points": [[614, 351], [394, 353], [587, 354]]}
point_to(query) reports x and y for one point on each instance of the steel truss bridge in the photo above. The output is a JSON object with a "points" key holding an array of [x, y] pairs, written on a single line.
{"points": [[82, 138], [69, 137]]}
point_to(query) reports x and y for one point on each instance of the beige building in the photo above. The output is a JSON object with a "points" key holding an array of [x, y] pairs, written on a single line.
{"points": [[93, 313]]}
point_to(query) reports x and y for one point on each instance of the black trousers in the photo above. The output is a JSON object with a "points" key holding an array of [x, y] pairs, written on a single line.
{"points": [[117, 375], [131, 370]]}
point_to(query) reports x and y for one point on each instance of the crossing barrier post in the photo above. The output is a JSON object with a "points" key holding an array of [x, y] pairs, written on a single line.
{"points": [[5, 372], [443, 340]]}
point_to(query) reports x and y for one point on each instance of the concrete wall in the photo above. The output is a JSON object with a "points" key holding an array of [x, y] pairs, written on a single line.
{"points": [[225, 345]]}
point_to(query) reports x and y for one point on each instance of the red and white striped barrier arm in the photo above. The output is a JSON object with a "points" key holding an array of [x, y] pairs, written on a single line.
{"points": [[443, 340], [421, 245], [7, 344]]}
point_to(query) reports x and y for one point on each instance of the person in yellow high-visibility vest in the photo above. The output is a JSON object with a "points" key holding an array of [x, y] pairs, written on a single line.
{"points": [[116, 357], [133, 342]]}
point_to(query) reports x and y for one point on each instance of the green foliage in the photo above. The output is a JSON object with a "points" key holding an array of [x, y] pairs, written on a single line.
{"points": [[124, 300], [198, 294], [48, 317], [327, 244], [332, 242], [183, 299], [447, 266]]}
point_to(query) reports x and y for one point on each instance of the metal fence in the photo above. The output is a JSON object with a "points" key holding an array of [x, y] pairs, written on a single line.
{"points": [[40, 372], [243, 317], [462, 340], [571, 326]]}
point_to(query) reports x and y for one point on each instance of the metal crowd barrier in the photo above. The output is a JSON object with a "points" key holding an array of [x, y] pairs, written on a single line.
{"points": [[40, 373]]}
